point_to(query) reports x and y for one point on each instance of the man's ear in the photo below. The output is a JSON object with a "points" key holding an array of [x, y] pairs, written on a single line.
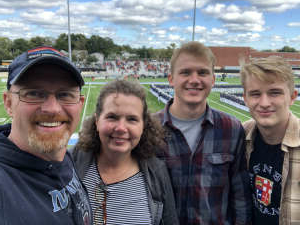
{"points": [[7, 103], [294, 96], [170, 79], [82, 99]]}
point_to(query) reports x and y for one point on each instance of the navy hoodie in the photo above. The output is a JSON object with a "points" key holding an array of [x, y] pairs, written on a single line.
{"points": [[34, 191]]}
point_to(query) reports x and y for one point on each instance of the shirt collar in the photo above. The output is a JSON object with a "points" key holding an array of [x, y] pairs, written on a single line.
{"points": [[208, 117]]}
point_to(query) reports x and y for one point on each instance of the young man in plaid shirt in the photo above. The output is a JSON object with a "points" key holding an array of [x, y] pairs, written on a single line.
{"points": [[205, 153]]}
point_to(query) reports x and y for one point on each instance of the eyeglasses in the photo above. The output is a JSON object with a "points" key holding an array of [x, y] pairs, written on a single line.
{"points": [[36, 96], [101, 198]]}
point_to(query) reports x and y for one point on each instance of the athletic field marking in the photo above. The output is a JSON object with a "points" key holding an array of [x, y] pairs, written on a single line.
{"points": [[296, 113], [296, 104], [85, 105], [220, 105], [209, 100]]}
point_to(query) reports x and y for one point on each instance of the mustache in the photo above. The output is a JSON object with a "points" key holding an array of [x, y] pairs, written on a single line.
{"points": [[49, 118]]}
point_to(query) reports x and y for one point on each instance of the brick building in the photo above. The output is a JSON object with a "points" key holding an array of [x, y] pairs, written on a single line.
{"points": [[230, 56]]}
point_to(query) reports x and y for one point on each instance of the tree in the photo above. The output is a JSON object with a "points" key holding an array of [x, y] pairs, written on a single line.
{"points": [[40, 41], [91, 59], [79, 42], [5, 48], [19, 46], [143, 53], [61, 42], [287, 49], [105, 46], [170, 50]]}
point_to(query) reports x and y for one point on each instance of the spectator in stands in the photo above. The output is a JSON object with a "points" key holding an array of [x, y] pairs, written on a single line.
{"points": [[272, 141], [205, 154], [115, 157], [38, 183]]}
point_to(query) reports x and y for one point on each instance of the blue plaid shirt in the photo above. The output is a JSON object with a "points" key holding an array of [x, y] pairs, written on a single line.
{"points": [[211, 186]]}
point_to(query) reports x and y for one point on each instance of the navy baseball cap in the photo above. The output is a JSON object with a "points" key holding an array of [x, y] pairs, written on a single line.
{"points": [[38, 56]]}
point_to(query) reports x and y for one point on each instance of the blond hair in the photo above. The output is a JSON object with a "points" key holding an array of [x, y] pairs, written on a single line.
{"points": [[268, 69], [193, 48]]}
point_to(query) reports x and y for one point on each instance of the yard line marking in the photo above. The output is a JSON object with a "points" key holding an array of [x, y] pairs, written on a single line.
{"points": [[296, 113], [85, 105], [296, 104], [209, 100], [220, 105]]}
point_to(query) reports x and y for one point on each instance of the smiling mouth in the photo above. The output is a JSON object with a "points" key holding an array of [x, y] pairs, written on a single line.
{"points": [[193, 89], [265, 112], [119, 138], [50, 124]]}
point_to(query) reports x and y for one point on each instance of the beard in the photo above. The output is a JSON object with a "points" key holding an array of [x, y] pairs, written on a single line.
{"points": [[49, 142]]}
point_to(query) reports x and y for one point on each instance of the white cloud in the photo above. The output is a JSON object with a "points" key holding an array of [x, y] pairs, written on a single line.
{"points": [[296, 39], [4, 11], [237, 19], [30, 4], [294, 24], [198, 29], [275, 5], [277, 38], [218, 32], [174, 28], [247, 37], [44, 17], [174, 37]]}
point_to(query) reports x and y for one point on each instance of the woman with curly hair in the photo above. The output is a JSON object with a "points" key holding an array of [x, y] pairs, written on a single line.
{"points": [[115, 158]]}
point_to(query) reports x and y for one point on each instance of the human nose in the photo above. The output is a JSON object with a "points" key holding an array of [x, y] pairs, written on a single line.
{"points": [[51, 104], [121, 126], [264, 100], [194, 78]]}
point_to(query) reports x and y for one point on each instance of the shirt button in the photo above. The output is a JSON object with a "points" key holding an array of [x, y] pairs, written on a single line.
{"points": [[50, 166]]}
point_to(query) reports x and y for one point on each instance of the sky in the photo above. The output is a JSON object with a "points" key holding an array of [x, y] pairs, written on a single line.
{"points": [[260, 24]]}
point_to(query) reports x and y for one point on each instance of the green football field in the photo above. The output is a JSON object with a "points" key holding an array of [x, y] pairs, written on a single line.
{"points": [[91, 91]]}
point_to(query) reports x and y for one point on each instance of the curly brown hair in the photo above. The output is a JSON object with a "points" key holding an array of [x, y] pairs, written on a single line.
{"points": [[153, 134]]}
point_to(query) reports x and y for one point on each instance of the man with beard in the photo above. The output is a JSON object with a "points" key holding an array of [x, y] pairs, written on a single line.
{"points": [[206, 152], [38, 183]]}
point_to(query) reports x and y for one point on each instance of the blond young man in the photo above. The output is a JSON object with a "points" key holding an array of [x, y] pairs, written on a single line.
{"points": [[205, 152], [272, 141]]}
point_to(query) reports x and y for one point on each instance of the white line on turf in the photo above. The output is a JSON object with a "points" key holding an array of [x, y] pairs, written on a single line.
{"points": [[85, 105], [222, 105]]}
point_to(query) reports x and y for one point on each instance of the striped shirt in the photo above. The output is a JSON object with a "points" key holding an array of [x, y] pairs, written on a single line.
{"points": [[211, 184], [126, 201]]}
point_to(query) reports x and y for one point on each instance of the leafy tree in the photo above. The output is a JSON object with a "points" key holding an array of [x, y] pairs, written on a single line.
{"points": [[40, 41], [170, 50], [19, 46], [78, 41], [61, 42], [144, 53], [267, 50], [94, 44], [287, 49], [127, 48], [5, 48]]}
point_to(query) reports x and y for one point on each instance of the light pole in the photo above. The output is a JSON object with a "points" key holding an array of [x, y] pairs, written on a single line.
{"points": [[69, 35], [194, 20]]}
